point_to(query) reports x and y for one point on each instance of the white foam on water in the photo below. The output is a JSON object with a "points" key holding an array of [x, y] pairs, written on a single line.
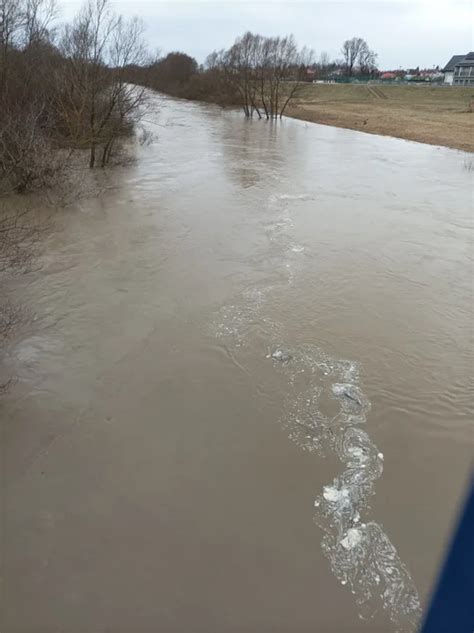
{"points": [[281, 355], [294, 196], [368, 562], [335, 495], [352, 538], [283, 223], [360, 553]]}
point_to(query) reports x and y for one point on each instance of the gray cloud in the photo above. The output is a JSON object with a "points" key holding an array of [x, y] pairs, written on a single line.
{"points": [[403, 33]]}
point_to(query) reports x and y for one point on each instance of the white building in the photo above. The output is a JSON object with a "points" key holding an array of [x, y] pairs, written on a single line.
{"points": [[459, 71], [464, 71]]}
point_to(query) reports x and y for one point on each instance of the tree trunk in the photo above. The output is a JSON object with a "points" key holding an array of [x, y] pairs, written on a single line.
{"points": [[93, 137], [103, 161], [92, 157], [107, 152]]}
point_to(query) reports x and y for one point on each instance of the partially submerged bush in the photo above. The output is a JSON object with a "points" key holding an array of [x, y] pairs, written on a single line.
{"points": [[63, 92], [28, 159]]}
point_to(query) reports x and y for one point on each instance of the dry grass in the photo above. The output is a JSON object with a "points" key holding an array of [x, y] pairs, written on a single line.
{"points": [[436, 115]]}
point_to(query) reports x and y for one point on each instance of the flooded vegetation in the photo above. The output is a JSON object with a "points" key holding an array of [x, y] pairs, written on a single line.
{"points": [[243, 401]]}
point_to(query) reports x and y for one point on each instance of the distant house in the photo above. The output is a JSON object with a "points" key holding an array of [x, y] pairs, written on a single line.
{"points": [[459, 71], [336, 75], [430, 75], [388, 75]]}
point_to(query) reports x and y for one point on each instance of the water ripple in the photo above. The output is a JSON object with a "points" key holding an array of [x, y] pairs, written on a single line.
{"points": [[325, 414], [361, 555]]}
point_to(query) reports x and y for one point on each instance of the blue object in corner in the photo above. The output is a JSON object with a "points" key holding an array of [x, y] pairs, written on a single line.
{"points": [[452, 605]]}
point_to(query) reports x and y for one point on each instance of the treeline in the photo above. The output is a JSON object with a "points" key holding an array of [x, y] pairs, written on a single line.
{"points": [[80, 86], [261, 74], [63, 88]]}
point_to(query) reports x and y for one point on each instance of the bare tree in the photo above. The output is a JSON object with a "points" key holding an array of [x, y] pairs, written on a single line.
{"points": [[23, 23], [38, 18], [125, 102], [290, 84], [27, 159], [265, 72], [357, 56], [350, 52], [367, 60], [216, 80], [84, 44], [324, 60], [11, 22], [98, 103], [325, 65], [26, 154], [240, 65]]}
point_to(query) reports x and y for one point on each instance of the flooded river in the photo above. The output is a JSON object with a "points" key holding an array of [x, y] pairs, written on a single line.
{"points": [[244, 403]]}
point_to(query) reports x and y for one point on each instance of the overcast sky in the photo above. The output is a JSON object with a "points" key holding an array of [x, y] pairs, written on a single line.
{"points": [[404, 33]]}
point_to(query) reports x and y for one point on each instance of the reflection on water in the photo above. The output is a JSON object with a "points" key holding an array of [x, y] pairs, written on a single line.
{"points": [[190, 321]]}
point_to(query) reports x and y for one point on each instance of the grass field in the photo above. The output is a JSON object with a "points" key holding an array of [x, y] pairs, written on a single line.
{"points": [[440, 115]]}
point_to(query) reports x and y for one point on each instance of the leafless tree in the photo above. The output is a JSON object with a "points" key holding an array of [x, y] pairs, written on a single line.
{"points": [[286, 79], [38, 19], [97, 103], [23, 24], [125, 102], [350, 52], [358, 56], [325, 65], [26, 154], [216, 80], [242, 63], [265, 72], [367, 60], [324, 60], [27, 159], [11, 22]]}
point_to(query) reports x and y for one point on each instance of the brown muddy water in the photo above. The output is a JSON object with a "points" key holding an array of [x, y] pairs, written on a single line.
{"points": [[244, 405]]}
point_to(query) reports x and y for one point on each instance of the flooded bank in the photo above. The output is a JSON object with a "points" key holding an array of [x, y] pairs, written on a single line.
{"points": [[244, 403]]}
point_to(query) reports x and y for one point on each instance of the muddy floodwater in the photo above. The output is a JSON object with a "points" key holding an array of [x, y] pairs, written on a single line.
{"points": [[244, 403]]}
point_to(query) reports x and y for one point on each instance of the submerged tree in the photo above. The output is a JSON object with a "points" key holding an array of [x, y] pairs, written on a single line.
{"points": [[96, 100], [265, 72]]}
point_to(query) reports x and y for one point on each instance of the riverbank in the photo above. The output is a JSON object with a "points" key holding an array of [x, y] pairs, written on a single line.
{"points": [[433, 115]]}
